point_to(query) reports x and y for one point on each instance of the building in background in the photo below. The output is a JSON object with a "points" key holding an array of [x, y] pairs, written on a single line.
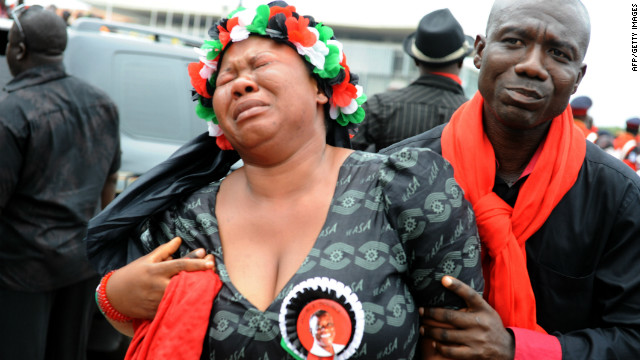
{"points": [[375, 53]]}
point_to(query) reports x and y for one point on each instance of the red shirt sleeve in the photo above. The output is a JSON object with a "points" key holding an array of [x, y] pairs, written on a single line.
{"points": [[532, 345]]}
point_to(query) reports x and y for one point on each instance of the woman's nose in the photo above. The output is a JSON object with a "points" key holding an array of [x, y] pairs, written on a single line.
{"points": [[243, 85]]}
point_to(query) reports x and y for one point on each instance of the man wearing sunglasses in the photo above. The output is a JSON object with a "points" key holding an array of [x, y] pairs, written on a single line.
{"points": [[59, 146]]}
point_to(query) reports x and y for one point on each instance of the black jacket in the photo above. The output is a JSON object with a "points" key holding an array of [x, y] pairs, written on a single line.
{"points": [[396, 115], [584, 262]]}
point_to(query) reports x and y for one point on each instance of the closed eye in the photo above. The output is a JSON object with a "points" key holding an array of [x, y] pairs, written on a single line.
{"points": [[223, 78]]}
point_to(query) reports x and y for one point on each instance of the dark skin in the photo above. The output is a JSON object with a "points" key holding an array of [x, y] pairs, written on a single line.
{"points": [[147, 280], [530, 63], [44, 41]]}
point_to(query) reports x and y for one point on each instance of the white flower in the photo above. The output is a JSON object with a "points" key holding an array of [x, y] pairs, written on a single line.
{"points": [[208, 69], [240, 32], [214, 130], [209, 65], [333, 112], [246, 16], [317, 52], [351, 108]]}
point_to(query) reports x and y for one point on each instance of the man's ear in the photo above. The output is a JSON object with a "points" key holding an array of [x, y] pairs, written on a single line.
{"points": [[583, 70], [479, 45], [22, 51]]}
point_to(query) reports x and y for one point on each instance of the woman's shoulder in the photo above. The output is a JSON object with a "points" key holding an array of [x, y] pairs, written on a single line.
{"points": [[203, 197], [412, 162]]}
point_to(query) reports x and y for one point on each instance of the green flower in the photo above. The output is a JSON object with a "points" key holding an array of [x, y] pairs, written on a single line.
{"points": [[206, 113], [362, 99], [331, 64], [355, 118], [215, 46], [259, 23], [326, 33]]}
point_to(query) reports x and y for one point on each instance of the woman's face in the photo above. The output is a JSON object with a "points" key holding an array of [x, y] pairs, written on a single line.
{"points": [[264, 93]]}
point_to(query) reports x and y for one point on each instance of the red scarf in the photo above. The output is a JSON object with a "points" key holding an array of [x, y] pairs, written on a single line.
{"points": [[503, 229], [178, 330]]}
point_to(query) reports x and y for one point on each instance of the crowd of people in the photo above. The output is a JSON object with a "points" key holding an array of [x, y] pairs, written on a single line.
{"points": [[496, 227], [622, 145]]}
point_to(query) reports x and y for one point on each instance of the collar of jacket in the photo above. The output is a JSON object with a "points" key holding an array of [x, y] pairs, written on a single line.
{"points": [[440, 82], [36, 76]]}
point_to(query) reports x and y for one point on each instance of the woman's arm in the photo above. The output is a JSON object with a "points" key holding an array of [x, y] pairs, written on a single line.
{"points": [[135, 290]]}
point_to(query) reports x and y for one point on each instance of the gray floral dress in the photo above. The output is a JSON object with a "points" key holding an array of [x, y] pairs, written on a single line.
{"points": [[397, 223]]}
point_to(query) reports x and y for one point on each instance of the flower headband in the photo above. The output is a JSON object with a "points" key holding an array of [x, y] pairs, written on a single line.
{"points": [[279, 21]]}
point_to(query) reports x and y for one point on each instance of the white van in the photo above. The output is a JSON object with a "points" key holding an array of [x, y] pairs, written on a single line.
{"points": [[144, 70]]}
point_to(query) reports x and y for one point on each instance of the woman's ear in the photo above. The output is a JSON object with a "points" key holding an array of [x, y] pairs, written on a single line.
{"points": [[321, 97]]}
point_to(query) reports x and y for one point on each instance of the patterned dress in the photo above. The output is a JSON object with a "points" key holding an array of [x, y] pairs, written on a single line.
{"points": [[397, 223]]}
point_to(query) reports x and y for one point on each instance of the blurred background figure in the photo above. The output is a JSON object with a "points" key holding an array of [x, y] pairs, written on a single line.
{"points": [[605, 142], [580, 108], [59, 142], [438, 48], [4, 11], [626, 144]]}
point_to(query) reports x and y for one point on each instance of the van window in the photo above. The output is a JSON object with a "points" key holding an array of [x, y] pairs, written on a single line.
{"points": [[154, 97]]}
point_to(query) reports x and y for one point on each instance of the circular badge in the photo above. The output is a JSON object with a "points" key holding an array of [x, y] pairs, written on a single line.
{"points": [[321, 318]]}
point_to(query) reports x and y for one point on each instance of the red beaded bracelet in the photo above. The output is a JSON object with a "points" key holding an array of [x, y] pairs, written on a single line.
{"points": [[103, 302]]}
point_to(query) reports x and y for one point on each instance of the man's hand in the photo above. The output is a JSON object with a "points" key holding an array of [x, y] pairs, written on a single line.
{"points": [[136, 289], [472, 333]]}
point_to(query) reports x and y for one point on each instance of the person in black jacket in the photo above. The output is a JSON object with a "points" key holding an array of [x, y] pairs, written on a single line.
{"points": [[557, 216], [60, 152], [438, 48]]}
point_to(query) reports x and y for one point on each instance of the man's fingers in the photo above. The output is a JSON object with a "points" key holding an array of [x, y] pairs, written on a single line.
{"points": [[164, 251], [453, 351], [446, 334], [473, 299]]}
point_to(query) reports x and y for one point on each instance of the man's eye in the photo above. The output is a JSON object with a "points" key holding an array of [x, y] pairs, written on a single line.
{"points": [[559, 53], [513, 41]]}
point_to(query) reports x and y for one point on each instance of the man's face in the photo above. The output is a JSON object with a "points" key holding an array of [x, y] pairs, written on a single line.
{"points": [[325, 330], [531, 62]]}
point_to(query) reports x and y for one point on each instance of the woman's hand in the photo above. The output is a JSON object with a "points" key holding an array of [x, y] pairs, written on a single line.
{"points": [[136, 289], [472, 333]]}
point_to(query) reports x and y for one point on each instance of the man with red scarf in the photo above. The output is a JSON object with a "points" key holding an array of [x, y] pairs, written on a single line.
{"points": [[557, 216]]}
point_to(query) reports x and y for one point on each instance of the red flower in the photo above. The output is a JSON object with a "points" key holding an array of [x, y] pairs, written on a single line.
{"points": [[298, 31], [343, 93], [231, 23], [223, 35], [287, 11], [223, 143], [198, 83], [344, 63]]}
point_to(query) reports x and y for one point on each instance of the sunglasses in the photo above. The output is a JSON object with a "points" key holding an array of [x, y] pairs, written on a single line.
{"points": [[15, 15]]}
